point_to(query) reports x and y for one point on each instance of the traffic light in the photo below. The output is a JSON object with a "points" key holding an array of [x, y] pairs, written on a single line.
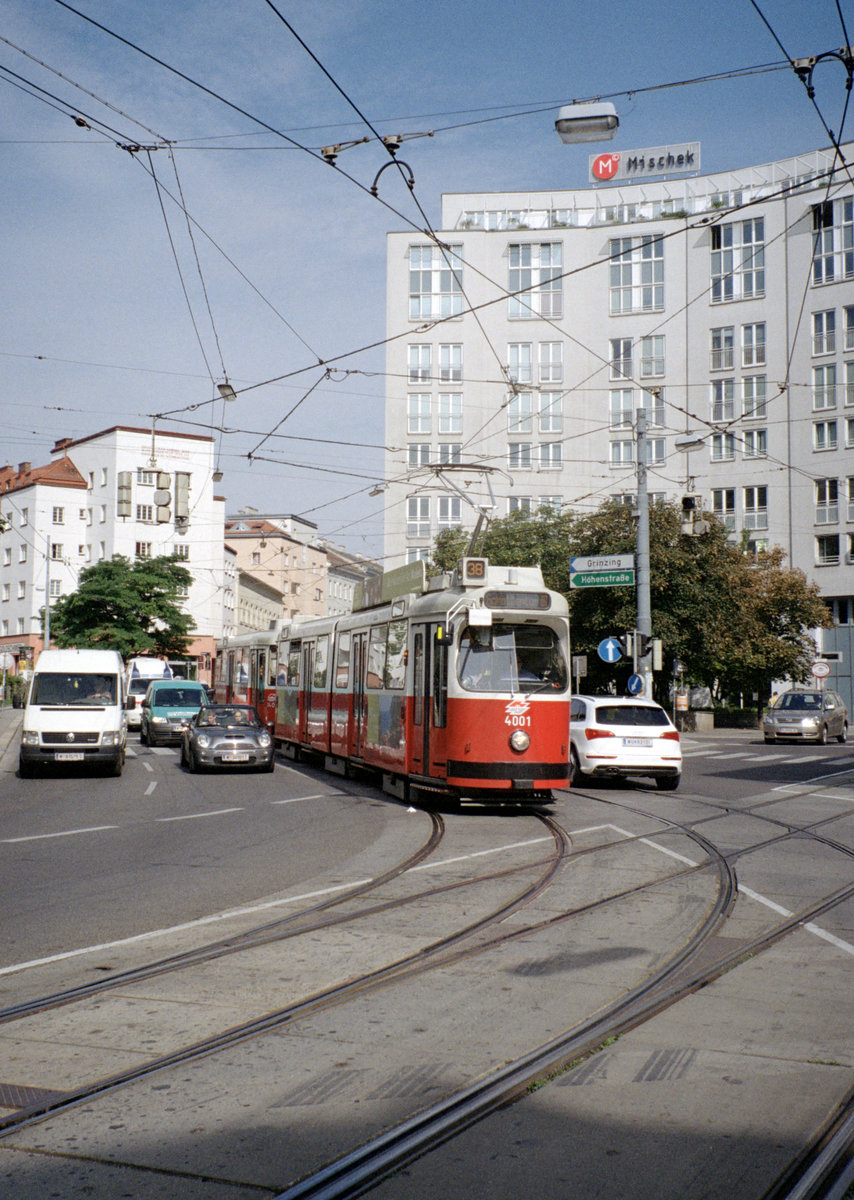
{"points": [[627, 644], [642, 644]]}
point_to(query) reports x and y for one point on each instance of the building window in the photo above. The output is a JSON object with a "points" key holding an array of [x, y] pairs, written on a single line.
{"points": [[522, 504], [22, 552], [519, 362], [535, 272], [58, 517], [756, 508], [554, 503], [182, 551], [655, 451], [56, 551], [256, 558], [145, 513], [849, 384], [520, 413], [417, 554], [824, 332], [723, 506], [827, 550], [754, 393], [622, 453], [450, 452], [824, 435], [105, 475], [103, 514], [738, 260], [418, 454], [851, 497], [824, 387], [55, 589], [450, 362], [519, 456], [755, 443], [551, 456], [450, 412], [652, 356], [449, 514], [826, 501], [848, 334], [7, 556], [653, 402], [143, 549], [833, 241], [418, 516], [621, 408], [636, 275], [723, 340], [723, 447], [22, 589], [723, 400], [435, 282], [849, 433], [418, 413], [6, 592], [145, 478], [419, 363], [551, 362], [551, 412], [621, 358], [753, 345]]}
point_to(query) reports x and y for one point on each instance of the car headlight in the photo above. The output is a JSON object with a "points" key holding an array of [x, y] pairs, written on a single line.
{"points": [[770, 719], [159, 721], [30, 738], [110, 739], [519, 740], [203, 740], [264, 740], [809, 722]]}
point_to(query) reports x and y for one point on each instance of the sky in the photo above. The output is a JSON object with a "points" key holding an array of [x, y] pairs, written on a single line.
{"points": [[118, 308]]}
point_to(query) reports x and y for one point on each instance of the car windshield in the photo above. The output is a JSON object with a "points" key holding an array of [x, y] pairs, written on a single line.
{"points": [[178, 697], [630, 714], [85, 689], [801, 700], [511, 658], [227, 718]]}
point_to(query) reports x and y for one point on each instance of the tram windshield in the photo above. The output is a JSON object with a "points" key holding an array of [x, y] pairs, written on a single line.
{"points": [[511, 658]]}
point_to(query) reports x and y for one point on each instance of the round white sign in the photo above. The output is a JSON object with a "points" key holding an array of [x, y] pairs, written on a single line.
{"points": [[820, 669], [7, 661]]}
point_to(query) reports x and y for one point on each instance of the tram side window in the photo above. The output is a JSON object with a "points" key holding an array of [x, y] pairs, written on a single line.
{"points": [[342, 667], [242, 672], [376, 656], [321, 660], [272, 668], [440, 684], [418, 676], [395, 670], [294, 652]]}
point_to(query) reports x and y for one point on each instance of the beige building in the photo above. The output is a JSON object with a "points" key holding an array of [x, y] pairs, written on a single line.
{"points": [[280, 552]]}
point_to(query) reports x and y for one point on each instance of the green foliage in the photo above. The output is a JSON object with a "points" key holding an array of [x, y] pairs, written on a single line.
{"points": [[736, 623], [132, 607]]}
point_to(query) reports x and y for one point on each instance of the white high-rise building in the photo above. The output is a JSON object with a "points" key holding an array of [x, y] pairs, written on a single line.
{"points": [[722, 304]]}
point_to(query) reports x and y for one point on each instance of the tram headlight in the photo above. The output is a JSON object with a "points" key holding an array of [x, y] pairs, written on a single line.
{"points": [[519, 740]]}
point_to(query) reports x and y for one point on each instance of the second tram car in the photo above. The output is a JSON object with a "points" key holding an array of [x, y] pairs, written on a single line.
{"points": [[456, 687], [245, 671]]}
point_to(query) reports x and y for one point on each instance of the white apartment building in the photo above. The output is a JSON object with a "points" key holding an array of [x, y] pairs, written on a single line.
{"points": [[122, 491], [722, 304]]}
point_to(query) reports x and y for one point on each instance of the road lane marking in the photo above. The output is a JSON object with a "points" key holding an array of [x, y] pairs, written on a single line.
{"points": [[151, 787], [219, 812], [38, 837]]}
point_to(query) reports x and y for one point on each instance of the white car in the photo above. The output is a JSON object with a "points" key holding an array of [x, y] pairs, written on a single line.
{"points": [[622, 736]]}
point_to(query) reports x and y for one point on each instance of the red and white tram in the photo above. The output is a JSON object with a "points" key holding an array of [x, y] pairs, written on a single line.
{"points": [[457, 686], [245, 671]]}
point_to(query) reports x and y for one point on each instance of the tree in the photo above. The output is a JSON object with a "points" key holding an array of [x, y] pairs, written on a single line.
{"points": [[132, 607], [735, 622]]}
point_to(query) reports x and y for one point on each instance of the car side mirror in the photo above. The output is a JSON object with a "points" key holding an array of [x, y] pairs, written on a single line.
{"points": [[130, 703]]}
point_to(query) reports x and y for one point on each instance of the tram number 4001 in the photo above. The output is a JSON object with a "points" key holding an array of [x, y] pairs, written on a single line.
{"points": [[517, 720]]}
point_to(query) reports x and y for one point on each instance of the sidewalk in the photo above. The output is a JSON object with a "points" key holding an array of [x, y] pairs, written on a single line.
{"points": [[11, 720]]}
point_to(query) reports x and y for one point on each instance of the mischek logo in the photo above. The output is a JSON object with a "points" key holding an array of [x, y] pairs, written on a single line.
{"points": [[605, 166], [517, 708]]}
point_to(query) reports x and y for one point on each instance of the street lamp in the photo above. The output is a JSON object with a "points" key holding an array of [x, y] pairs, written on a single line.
{"points": [[597, 122]]}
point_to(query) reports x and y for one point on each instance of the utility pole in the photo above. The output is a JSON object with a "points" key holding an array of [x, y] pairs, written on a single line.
{"points": [[644, 604]]}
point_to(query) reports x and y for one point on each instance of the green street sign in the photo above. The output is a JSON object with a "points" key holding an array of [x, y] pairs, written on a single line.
{"points": [[602, 579]]}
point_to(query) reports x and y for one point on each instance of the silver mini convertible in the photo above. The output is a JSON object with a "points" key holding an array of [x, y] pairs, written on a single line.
{"points": [[227, 735]]}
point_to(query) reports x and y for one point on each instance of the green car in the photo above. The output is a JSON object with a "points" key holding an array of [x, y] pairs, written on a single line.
{"points": [[168, 708]]}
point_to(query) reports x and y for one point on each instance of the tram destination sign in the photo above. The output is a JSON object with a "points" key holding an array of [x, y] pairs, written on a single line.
{"points": [[602, 570]]}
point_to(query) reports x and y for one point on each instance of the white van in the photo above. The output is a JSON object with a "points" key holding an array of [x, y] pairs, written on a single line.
{"points": [[140, 672], [76, 711]]}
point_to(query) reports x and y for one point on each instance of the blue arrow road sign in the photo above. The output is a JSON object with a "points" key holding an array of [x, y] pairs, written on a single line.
{"points": [[609, 650], [635, 685]]}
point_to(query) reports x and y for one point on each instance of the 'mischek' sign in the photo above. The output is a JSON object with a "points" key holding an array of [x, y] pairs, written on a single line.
{"points": [[640, 164]]}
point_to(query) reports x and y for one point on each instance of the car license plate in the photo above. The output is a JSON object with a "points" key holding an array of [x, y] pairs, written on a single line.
{"points": [[235, 757], [68, 756], [646, 743]]}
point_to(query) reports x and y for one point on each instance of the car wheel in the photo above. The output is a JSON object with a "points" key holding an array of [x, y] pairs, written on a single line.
{"points": [[271, 765], [183, 754], [843, 737], [26, 769], [115, 769], [192, 764], [574, 767], [770, 741], [668, 783], [822, 736]]}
